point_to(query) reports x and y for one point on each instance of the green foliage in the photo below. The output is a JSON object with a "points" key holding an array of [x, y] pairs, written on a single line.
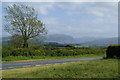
{"points": [[16, 41], [113, 51], [26, 52], [49, 51], [23, 20], [6, 51]]}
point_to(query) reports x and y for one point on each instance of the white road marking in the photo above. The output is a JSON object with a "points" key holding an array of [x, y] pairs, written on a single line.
{"points": [[47, 64], [10, 67], [37, 65], [27, 66]]}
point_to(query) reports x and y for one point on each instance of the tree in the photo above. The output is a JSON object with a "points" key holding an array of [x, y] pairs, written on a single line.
{"points": [[16, 41], [22, 20]]}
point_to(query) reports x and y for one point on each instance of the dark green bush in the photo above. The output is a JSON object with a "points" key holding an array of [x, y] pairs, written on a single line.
{"points": [[22, 52], [70, 46], [6, 52], [113, 51]]}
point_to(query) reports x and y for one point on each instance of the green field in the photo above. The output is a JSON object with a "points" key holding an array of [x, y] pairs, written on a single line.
{"points": [[106, 68], [21, 58]]}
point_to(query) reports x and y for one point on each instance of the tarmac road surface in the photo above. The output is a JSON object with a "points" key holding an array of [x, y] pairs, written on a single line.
{"points": [[14, 65]]}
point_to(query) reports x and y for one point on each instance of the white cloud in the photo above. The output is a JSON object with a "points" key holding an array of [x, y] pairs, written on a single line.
{"points": [[97, 13], [50, 21], [44, 8], [103, 9], [41, 8], [103, 21]]}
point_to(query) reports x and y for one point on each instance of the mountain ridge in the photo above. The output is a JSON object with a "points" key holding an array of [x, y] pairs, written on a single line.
{"points": [[84, 41]]}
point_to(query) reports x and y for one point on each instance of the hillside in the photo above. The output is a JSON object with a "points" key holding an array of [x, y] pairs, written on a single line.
{"points": [[102, 42], [4, 40], [86, 39], [62, 38], [56, 39]]}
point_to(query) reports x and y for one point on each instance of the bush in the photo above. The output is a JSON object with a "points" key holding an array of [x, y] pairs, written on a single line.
{"points": [[22, 52], [49, 51], [113, 51], [39, 52], [70, 46], [6, 51]]}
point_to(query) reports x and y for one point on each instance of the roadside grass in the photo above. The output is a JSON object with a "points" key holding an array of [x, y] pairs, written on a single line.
{"points": [[23, 58], [105, 68]]}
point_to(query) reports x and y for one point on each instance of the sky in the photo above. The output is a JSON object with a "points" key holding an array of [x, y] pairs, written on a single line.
{"points": [[77, 19]]}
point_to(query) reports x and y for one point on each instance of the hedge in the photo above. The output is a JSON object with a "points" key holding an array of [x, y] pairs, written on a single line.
{"points": [[48, 51], [113, 51]]}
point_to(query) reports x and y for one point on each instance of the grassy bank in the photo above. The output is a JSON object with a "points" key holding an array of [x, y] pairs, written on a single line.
{"points": [[107, 68], [21, 58]]}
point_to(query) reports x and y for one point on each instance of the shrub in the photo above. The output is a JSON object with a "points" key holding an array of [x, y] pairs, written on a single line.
{"points": [[70, 46], [49, 51], [16, 52], [6, 51], [39, 52], [113, 51]]}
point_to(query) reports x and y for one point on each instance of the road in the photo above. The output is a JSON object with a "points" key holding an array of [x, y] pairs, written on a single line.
{"points": [[15, 65]]}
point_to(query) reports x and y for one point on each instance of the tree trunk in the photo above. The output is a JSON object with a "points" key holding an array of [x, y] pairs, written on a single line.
{"points": [[25, 44]]}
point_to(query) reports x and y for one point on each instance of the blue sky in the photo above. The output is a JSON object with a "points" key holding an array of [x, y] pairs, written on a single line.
{"points": [[78, 19]]}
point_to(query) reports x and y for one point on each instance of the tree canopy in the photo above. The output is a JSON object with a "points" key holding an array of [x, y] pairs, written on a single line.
{"points": [[23, 20]]}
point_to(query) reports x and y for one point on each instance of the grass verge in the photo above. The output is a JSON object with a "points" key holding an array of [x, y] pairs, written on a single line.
{"points": [[23, 58], [106, 68]]}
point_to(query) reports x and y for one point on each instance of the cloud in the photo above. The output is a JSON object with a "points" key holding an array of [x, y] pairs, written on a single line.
{"points": [[94, 8], [50, 20], [43, 8], [78, 19], [52, 24], [97, 13], [103, 9]]}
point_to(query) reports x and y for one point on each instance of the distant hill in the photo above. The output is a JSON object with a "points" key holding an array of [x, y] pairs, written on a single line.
{"points": [[69, 39], [102, 42], [4, 40], [62, 38], [86, 39], [66, 39]]}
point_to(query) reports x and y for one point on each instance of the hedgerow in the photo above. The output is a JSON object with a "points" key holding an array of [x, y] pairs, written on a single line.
{"points": [[113, 51], [49, 51]]}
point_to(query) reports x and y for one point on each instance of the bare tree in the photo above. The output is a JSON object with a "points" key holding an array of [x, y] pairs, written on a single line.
{"points": [[23, 20]]}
